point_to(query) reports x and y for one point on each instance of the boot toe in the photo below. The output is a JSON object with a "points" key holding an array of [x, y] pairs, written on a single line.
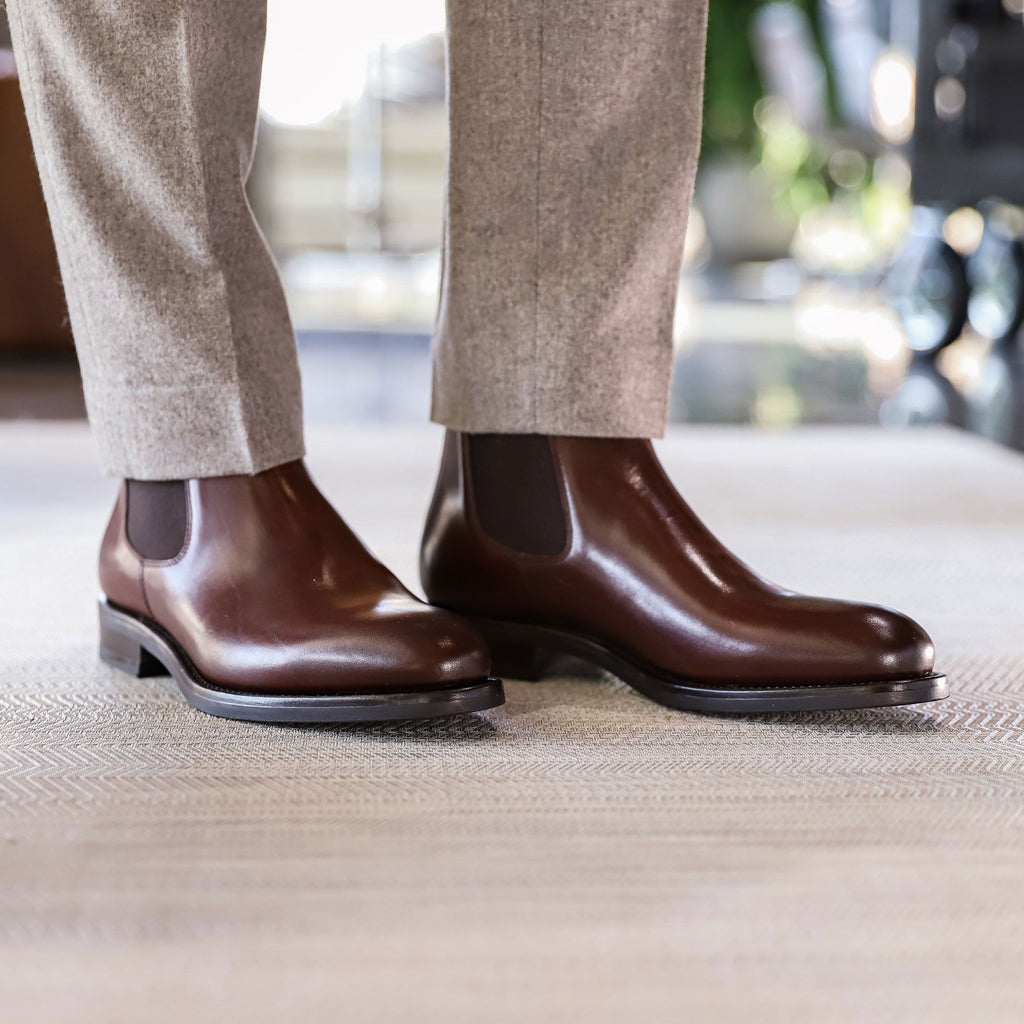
{"points": [[895, 646], [867, 643], [425, 646], [840, 642], [442, 649]]}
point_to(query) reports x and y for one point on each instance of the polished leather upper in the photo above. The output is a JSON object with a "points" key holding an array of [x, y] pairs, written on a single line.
{"points": [[641, 574], [274, 593]]}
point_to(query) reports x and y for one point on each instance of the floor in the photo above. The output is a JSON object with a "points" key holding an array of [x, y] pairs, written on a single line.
{"points": [[579, 855]]}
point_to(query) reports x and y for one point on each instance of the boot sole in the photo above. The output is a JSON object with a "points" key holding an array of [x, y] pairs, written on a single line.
{"points": [[141, 648], [527, 652]]}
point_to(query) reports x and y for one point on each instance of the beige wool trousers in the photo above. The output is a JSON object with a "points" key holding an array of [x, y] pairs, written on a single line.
{"points": [[575, 128]]}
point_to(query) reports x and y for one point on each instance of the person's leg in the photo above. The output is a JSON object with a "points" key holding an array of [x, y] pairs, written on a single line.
{"points": [[575, 131], [222, 563], [143, 117]]}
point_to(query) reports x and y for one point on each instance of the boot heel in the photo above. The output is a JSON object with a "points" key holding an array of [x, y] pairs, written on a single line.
{"points": [[124, 652], [513, 659]]}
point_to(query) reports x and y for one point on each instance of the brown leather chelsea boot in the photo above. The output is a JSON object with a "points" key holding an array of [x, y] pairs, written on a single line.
{"points": [[263, 605], [581, 546]]}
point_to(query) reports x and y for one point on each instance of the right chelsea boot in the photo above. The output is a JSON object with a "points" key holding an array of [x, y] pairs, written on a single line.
{"points": [[263, 605], [581, 546]]}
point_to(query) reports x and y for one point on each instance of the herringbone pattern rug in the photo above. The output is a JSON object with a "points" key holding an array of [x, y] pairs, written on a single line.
{"points": [[581, 855]]}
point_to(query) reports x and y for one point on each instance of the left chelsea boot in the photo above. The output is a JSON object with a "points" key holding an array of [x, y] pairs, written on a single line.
{"points": [[582, 546], [254, 594]]}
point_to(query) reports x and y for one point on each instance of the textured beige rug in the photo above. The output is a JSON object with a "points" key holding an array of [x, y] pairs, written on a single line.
{"points": [[581, 855]]}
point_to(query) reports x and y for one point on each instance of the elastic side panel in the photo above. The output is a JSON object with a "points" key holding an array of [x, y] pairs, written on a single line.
{"points": [[516, 493], [157, 517]]}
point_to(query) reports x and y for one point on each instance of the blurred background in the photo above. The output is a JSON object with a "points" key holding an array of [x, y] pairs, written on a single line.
{"points": [[855, 252]]}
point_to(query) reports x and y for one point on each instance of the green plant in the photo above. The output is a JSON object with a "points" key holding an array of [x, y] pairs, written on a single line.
{"points": [[733, 85]]}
